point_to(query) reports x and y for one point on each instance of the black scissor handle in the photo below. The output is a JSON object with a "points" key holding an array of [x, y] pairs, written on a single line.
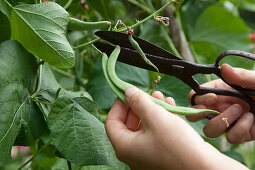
{"points": [[248, 92], [225, 92]]}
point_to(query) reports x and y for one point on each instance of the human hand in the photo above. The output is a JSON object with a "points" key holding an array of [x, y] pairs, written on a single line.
{"points": [[162, 141], [231, 108]]}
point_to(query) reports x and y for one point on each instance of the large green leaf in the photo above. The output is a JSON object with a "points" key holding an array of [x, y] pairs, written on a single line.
{"points": [[78, 135], [101, 92], [5, 8], [17, 74], [41, 29], [5, 29], [217, 30]]}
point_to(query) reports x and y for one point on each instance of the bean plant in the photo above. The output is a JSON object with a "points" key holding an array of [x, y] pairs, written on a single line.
{"points": [[54, 91]]}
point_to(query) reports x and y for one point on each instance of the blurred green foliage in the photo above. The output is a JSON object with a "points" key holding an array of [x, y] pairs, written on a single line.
{"points": [[210, 27]]}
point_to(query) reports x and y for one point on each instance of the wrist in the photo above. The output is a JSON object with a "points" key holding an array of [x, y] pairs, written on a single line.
{"points": [[212, 159]]}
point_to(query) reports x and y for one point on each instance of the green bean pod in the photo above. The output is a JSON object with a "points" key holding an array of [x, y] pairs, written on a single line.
{"points": [[117, 91], [122, 85], [76, 24], [140, 51]]}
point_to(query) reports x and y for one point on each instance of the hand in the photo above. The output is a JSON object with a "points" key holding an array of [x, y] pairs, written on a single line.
{"points": [[162, 141], [231, 108]]}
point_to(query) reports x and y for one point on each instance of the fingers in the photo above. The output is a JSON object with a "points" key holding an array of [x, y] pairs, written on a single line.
{"points": [[238, 76], [158, 95], [218, 126], [144, 107], [241, 131], [132, 121], [115, 121], [208, 99], [197, 117], [212, 84], [170, 101]]}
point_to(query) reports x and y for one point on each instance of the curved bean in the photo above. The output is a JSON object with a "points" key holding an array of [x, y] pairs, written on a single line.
{"points": [[140, 51], [76, 24], [117, 91], [122, 85]]}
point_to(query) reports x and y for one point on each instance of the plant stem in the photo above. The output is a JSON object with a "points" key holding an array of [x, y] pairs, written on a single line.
{"points": [[170, 42], [185, 49], [86, 44], [39, 81], [68, 3], [43, 102], [147, 18], [62, 72], [125, 28], [31, 159], [69, 165], [6, 1]]}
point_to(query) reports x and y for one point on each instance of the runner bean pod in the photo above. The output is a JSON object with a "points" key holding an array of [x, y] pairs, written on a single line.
{"points": [[140, 51], [115, 89], [76, 24], [122, 85]]}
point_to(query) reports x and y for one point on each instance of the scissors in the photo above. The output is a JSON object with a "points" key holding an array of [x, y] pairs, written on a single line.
{"points": [[170, 64]]}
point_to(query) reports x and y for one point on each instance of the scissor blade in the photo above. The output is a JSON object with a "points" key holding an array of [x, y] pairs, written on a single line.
{"points": [[122, 40], [132, 57]]}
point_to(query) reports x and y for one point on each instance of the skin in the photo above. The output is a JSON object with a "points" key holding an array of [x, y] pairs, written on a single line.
{"points": [[162, 141], [230, 107]]}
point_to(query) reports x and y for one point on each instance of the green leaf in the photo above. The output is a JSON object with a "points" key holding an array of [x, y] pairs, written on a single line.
{"points": [[49, 87], [101, 92], [89, 105], [78, 135], [217, 30], [41, 29], [17, 74], [32, 125], [5, 28], [5, 8]]}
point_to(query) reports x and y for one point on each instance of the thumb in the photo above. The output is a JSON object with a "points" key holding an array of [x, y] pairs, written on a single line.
{"points": [[144, 107], [238, 76]]}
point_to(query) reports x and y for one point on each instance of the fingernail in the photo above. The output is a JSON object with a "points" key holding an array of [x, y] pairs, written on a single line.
{"points": [[130, 91], [236, 109], [249, 116]]}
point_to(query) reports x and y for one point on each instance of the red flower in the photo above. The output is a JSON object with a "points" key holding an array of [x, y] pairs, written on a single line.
{"points": [[252, 36]]}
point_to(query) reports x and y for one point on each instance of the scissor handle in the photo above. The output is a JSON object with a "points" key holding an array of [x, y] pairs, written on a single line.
{"points": [[225, 92], [240, 54], [236, 53]]}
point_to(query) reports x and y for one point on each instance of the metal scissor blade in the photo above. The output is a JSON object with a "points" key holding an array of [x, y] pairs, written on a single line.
{"points": [[121, 39], [132, 57]]}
